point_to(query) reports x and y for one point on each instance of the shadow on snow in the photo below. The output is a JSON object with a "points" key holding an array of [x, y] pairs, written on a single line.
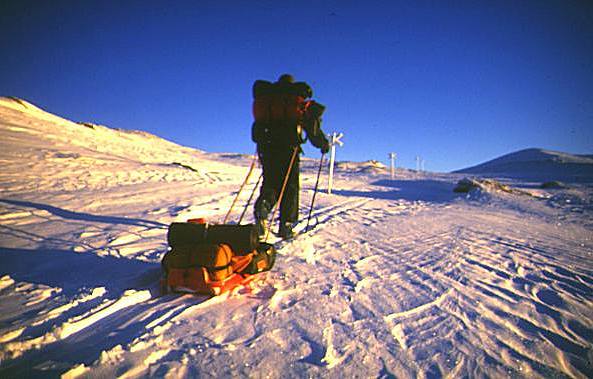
{"points": [[73, 271], [84, 216], [55, 264], [432, 191]]}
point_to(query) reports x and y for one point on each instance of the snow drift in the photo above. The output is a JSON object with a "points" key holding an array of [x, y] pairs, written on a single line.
{"points": [[398, 278]]}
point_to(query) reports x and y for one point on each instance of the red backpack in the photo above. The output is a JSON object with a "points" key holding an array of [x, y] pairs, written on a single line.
{"points": [[279, 103]]}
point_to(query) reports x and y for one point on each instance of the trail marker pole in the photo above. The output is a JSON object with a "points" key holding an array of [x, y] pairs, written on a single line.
{"points": [[393, 157], [332, 158]]}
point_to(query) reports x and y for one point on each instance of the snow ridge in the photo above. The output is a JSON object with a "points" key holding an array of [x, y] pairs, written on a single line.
{"points": [[538, 164]]}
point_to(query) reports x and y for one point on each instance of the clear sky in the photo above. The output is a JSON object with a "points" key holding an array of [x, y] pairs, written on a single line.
{"points": [[456, 82]]}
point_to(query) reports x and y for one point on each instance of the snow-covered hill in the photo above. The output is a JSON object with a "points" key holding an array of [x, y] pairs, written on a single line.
{"points": [[539, 165], [399, 278]]}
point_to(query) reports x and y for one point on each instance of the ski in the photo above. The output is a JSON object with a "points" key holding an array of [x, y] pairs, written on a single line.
{"points": [[299, 230]]}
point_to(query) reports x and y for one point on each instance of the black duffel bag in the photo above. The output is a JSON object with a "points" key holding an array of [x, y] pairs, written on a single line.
{"points": [[243, 239], [263, 259]]}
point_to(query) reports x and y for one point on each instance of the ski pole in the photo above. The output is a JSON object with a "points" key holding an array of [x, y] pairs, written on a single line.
{"points": [[250, 198], [315, 193], [240, 189], [294, 154]]}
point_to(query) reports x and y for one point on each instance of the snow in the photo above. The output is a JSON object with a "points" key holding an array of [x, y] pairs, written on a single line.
{"points": [[398, 278]]}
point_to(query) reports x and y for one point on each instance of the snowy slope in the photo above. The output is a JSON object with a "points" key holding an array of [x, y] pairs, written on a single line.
{"points": [[399, 277], [539, 165]]}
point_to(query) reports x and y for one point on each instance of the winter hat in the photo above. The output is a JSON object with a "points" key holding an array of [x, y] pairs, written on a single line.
{"points": [[286, 78]]}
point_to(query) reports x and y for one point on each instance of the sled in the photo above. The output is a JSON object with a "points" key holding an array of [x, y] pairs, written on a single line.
{"points": [[198, 281], [212, 259]]}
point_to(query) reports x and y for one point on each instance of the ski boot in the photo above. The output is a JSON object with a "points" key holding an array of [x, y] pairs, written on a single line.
{"points": [[262, 228], [286, 231]]}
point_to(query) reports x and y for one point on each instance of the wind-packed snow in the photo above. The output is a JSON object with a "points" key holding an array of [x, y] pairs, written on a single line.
{"points": [[398, 278]]}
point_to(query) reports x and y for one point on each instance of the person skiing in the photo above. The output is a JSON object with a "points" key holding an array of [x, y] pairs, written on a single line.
{"points": [[281, 115]]}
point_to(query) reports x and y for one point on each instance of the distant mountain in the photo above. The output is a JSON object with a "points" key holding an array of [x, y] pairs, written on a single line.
{"points": [[537, 164]]}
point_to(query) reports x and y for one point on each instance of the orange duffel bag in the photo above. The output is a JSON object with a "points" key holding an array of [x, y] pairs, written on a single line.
{"points": [[215, 258]]}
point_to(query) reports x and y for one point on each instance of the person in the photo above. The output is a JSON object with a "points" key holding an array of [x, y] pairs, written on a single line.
{"points": [[281, 115]]}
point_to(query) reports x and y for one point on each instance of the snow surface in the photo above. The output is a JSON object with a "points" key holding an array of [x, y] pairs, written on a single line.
{"points": [[399, 278]]}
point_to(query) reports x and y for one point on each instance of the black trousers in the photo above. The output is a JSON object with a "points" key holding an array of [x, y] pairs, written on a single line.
{"points": [[275, 161]]}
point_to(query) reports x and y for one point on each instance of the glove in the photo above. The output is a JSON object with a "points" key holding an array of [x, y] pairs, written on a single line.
{"points": [[325, 148]]}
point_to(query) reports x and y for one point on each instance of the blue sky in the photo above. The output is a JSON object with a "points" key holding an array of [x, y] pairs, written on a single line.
{"points": [[456, 82]]}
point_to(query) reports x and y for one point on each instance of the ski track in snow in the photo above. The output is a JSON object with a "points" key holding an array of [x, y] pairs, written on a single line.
{"points": [[395, 278]]}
